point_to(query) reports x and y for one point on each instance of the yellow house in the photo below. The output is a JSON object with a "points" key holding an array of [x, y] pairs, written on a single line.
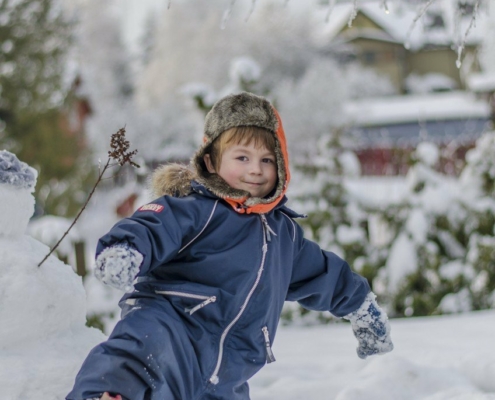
{"points": [[393, 43]]}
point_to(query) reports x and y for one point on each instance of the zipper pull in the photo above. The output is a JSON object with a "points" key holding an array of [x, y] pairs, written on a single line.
{"points": [[267, 229], [269, 353], [209, 300]]}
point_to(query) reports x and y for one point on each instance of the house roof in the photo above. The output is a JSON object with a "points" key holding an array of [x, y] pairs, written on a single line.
{"points": [[416, 108], [404, 121], [399, 23]]}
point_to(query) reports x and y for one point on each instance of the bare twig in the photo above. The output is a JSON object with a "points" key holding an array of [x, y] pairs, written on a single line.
{"points": [[119, 146], [460, 47], [415, 20]]}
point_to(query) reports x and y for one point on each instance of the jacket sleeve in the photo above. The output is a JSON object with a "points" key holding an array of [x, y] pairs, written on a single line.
{"points": [[159, 230], [322, 281]]}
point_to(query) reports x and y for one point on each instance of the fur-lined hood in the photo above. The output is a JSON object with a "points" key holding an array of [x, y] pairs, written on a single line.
{"points": [[244, 109]]}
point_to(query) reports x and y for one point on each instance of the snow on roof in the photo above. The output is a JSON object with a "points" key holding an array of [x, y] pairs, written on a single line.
{"points": [[399, 22], [367, 33], [484, 82], [414, 108]]}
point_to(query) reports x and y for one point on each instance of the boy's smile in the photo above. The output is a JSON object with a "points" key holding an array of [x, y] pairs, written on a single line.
{"points": [[247, 168]]}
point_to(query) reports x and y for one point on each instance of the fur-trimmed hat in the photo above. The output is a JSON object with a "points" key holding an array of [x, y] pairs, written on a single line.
{"points": [[243, 109]]}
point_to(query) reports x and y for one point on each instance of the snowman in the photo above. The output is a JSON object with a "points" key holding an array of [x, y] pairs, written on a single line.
{"points": [[43, 337]]}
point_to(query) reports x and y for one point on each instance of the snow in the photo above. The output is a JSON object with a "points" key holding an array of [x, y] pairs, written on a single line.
{"points": [[244, 69], [429, 83], [482, 82], [455, 268], [347, 234], [416, 107], [435, 358], [401, 262], [377, 190], [428, 153], [17, 207], [456, 302], [48, 229], [399, 23]]}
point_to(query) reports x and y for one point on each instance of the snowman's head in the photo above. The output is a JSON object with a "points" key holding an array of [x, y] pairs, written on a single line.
{"points": [[17, 182]]}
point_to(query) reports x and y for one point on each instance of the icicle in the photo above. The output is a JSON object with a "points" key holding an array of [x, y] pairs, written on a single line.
{"points": [[253, 4], [226, 14], [353, 14], [169, 4], [385, 6], [407, 45], [331, 5], [286, 3], [472, 23]]}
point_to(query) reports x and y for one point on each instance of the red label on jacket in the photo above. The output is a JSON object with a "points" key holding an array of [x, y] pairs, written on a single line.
{"points": [[151, 207]]}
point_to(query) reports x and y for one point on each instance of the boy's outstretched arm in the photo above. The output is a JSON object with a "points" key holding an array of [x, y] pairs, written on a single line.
{"points": [[322, 281], [148, 239], [371, 328]]}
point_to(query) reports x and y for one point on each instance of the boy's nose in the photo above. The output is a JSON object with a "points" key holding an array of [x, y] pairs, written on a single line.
{"points": [[256, 168]]}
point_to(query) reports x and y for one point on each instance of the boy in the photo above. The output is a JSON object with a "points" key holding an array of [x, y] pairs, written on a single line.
{"points": [[212, 261]]}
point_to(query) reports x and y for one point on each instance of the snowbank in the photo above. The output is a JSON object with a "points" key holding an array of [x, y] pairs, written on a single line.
{"points": [[43, 338], [435, 358]]}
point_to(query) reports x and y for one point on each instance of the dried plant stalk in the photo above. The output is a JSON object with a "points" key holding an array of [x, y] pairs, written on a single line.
{"points": [[119, 146]]}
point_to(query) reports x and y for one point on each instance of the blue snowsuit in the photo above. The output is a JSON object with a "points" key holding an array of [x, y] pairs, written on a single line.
{"points": [[239, 269]]}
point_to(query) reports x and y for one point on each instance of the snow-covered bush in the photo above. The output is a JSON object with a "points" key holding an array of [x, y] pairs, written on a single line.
{"points": [[335, 220], [244, 75], [442, 259]]}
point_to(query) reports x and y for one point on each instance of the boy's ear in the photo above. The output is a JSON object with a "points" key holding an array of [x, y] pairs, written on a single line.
{"points": [[209, 164]]}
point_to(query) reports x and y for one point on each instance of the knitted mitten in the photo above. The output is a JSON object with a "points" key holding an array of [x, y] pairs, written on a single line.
{"points": [[371, 328], [118, 265]]}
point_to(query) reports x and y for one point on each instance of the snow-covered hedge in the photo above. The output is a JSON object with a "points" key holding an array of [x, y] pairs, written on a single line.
{"points": [[439, 252]]}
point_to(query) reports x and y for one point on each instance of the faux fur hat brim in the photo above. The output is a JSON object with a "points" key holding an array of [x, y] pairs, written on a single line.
{"points": [[242, 109]]}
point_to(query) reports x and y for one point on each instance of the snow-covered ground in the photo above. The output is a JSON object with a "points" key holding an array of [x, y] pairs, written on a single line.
{"points": [[435, 358]]}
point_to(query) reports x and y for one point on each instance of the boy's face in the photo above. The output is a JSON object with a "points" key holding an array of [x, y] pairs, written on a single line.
{"points": [[245, 167]]}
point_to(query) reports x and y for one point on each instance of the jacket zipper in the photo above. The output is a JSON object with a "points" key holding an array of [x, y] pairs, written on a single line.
{"points": [[267, 229], [266, 237], [268, 346], [191, 311]]}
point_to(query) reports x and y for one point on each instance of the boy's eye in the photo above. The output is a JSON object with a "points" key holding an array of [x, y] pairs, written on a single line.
{"points": [[268, 160], [242, 158]]}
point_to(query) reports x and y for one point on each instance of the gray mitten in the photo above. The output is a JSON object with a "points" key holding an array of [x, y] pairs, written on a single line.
{"points": [[118, 265], [371, 328]]}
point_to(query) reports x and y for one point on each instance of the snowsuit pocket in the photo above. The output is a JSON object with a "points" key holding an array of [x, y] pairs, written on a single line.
{"points": [[197, 303]]}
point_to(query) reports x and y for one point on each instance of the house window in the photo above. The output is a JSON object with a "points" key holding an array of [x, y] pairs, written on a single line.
{"points": [[369, 57]]}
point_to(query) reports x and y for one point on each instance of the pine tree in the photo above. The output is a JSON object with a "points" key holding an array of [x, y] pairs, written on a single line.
{"points": [[35, 37]]}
